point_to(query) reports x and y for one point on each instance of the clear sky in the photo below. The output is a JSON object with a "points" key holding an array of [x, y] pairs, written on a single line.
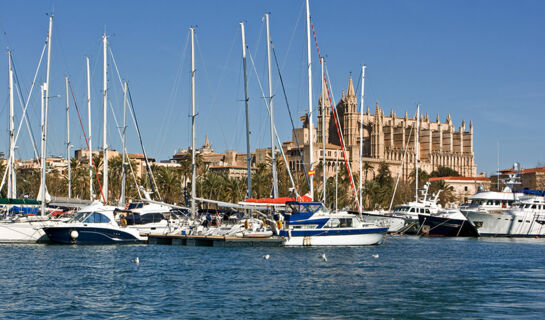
{"points": [[477, 60]]}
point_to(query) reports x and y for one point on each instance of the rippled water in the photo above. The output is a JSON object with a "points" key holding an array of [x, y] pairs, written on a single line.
{"points": [[412, 278]]}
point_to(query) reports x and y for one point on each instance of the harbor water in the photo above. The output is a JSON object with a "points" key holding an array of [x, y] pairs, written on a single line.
{"points": [[405, 278]]}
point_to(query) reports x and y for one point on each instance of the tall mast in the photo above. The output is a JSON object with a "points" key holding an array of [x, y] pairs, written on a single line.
{"points": [[193, 116], [246, 101], [68, 146], [273, 156], [310, 115], [42, 151], [361, 134], [324, 178], [104, 139], [123, 174], [417, 147], [89, 127], [12, 183], [45, 93]]}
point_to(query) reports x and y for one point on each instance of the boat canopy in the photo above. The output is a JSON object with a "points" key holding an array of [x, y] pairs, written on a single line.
{"points": [[19, 201], [280, 200]]}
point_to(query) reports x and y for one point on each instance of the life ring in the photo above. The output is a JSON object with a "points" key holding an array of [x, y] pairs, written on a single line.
{"points": [[123, 222]]}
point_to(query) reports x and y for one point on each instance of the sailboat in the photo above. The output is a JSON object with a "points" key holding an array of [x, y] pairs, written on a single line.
{"points": [[28, 229], [311, 223]]}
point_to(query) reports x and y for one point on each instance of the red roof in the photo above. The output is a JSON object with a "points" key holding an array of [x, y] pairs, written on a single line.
{"points": [[531, 170], [460, 178], [280, 200]]}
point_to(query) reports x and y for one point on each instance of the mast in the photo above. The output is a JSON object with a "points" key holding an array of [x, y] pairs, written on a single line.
{"points": [[246, 101], [273, 156], [90, 136], [123, 174], [42, 151], [324, 178], [416, 146], [310, 115], [104, 139], [45, 99], [361, 134], [336, 178], [12, 183], [193, 116], [68, 146]]}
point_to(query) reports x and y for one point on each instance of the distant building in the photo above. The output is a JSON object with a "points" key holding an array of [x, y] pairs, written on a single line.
{"points": [[532, 178], [464, 186]]}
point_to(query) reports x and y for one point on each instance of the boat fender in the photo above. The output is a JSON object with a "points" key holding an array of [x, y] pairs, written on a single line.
{"points": [[123, 222], [279, 224], [246, 224], [74, 234]]}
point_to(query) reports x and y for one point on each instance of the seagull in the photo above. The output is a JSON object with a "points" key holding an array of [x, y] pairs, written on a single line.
{"points": [[266, 257], [137, 261], [324, 257], [375, 256]]}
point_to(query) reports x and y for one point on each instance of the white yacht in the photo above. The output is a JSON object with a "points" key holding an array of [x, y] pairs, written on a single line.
{"points": [[525, 218], [404, 218]]}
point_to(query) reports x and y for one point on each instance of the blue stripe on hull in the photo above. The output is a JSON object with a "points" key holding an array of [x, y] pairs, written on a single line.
{"points": [[90, 236], [331, 232]]}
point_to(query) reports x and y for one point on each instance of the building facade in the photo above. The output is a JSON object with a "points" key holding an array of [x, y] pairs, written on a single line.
{"points": [[385, 138]]}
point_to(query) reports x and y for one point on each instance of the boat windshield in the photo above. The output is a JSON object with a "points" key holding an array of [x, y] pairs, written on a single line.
{"points": [[401, 209], [90, 217]]}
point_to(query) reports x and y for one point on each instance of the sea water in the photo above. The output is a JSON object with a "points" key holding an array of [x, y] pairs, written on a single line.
{"points": [[405, 278]]}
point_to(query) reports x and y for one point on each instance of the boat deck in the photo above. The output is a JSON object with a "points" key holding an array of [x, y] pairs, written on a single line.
{"points": [[214, 241]]}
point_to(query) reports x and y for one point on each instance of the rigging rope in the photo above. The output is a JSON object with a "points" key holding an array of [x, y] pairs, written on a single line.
{"points": [[125, 151], [337, 124], [148, 168], [133, 115], [290, 116], [24, 113], [86, 141], [274, 127]]}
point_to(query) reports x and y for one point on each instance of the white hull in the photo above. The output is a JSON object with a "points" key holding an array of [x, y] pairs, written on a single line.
{"points": [[22, 232], [508, 224], [332, 240], [394, 224]]}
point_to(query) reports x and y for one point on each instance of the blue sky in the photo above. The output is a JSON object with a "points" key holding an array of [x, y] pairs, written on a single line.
{"points": [[477, 60]]}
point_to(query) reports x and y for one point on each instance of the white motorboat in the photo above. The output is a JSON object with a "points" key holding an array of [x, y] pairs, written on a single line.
{"points": [[93, 224], [311, 224]]}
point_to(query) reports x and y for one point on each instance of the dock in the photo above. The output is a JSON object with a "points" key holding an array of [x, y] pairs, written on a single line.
{"points": [[214, 241]]}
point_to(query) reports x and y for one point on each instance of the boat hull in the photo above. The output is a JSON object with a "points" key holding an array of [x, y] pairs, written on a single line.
{"points": [[445, 227], [506, 224], [90, 235], [22, 232], [394, 224], [321, 237]]}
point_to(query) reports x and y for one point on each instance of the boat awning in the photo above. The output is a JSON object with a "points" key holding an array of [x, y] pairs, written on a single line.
{"points": [[280, 200], [19, 201]]}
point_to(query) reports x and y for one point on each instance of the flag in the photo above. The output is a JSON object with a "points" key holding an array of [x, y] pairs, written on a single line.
{"points": [[311, 172], [303, 118]]}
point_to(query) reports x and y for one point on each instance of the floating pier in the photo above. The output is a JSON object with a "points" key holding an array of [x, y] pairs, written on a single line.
{"points": [[214, 241]]}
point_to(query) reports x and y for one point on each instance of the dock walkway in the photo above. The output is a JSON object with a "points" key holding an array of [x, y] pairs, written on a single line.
{"points": [[214, 241]]}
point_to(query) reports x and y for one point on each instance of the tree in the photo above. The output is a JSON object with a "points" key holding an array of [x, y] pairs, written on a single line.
{"points": [[444, 172]]}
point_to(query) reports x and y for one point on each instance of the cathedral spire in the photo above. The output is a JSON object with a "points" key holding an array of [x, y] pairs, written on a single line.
{"points": [[350, 92]]}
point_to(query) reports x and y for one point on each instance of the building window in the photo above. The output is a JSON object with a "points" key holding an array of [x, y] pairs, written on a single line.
{"points": [[465, 188]]}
